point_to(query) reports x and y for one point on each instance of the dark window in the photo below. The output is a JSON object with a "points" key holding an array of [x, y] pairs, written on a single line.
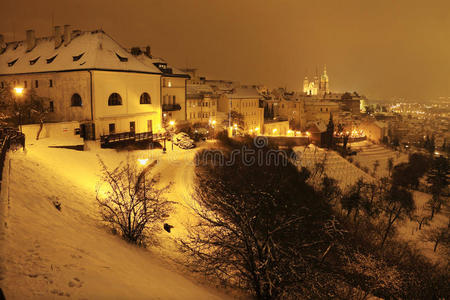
{"points": [[114, 99], [173, 99], [25, 84], [121, 58], [133, 127], [51, 59], [2, 84], [33, 61], [11, 63], [76, 100], [112, 128], [145, 99], [50, 83], [77, 58], [36, 83], [52, 107]]}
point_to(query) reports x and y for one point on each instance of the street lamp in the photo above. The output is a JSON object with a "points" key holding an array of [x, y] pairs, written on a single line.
{"points": [[18, 91], [143, 162]]}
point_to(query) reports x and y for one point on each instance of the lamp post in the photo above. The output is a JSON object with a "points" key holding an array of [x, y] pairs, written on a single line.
{"points": [[143, 162], [172, 124], [18, 91]]}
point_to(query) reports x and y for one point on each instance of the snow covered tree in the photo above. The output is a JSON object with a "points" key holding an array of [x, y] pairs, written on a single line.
{"points": [[261, 227], [131, 202], [234, 118], [438, 178], [396, 204], [330, 132], [438, 235]]}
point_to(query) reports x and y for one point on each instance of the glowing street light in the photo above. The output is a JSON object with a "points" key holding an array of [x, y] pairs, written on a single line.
{"points": [[18, 91], [171, 123], [143, 161]]}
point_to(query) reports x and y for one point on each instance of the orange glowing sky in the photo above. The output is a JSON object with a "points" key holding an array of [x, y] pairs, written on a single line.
{"points": [[381, 48]]}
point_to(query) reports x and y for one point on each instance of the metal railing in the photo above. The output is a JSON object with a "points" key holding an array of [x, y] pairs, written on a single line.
{"points": [[171, 107], [127, 136]]}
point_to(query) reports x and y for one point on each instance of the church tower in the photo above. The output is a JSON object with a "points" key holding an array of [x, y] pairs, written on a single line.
{"points": [[324, 87], [305, 85]]}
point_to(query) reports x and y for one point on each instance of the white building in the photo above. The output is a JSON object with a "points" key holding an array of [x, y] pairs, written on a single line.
{"points": [[88, 78]]}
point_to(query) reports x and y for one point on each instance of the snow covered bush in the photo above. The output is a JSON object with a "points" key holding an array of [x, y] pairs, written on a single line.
{"points": [[131, 202]]}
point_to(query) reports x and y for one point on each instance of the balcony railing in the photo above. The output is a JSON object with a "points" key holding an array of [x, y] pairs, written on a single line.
{"points": [[125, 136], [171, 107]]}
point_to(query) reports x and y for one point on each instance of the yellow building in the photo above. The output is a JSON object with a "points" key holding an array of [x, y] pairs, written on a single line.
{"points": [[88, 79], [201, 104], [244, 101]]}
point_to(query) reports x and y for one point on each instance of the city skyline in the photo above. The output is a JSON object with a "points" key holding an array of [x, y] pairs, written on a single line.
{"points": [[381, 51]]}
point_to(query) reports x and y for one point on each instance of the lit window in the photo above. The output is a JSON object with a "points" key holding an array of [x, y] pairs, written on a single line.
{"points": [[76, 100], [114, 99], [145, 99]]}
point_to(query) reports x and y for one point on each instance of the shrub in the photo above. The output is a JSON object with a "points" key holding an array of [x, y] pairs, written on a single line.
{"points": [[131, 203]]}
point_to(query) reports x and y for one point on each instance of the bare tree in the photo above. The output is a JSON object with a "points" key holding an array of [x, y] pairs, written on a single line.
{"points": [[438, 235], [260, 228], [397, 203], [131, 202]]}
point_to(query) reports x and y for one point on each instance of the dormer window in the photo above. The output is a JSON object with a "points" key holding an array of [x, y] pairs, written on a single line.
{"points": [[51, 59], [78, 57], [121, 58], [11, 63], [33, 61]]}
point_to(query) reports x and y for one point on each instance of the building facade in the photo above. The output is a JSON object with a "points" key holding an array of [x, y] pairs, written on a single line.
{"points": [[86, 77]]}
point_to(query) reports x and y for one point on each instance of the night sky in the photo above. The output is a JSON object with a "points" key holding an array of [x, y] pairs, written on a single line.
{"points": [[381, 48]]}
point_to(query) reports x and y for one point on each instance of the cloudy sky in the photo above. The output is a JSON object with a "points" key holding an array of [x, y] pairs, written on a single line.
{"points": [[381, 48]]}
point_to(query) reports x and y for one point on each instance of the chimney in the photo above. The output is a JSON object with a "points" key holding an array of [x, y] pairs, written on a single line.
{"points": [[31, 40], [67, 34], [2, 43], [148, 52], [136, 51], [57, 36]]}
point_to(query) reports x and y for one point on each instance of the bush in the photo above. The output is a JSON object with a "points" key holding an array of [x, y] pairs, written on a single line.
{"points": [[131, 203]]}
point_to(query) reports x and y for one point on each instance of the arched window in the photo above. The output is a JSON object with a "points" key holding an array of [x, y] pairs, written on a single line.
{"points": [[76, 100], [145, 99], [114, 99]]}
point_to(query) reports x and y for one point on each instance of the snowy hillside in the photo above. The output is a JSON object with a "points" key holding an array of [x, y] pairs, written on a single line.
{"points": [[51, 254]]}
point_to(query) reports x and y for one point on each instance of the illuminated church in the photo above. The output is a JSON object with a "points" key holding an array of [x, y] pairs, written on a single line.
{"points": [[316, 86]]}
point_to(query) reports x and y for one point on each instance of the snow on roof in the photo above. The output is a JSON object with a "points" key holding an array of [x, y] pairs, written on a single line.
{"points": [[88, 50], [151, 61], [316, 127], [245, 93], [199, 89]]}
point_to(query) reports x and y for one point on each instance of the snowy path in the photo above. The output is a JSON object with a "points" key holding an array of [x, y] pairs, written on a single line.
{"points": [[51, 254]]}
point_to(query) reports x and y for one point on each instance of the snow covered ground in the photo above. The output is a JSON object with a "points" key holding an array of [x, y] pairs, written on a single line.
{"points": [[347, 173], [369, 153], [336, 166], [51, 254]]}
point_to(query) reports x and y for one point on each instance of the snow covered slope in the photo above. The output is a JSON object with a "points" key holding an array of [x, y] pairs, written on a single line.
{"points": [[52, 254]]}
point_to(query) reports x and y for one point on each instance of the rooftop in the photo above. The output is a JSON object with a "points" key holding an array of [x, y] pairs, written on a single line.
{"points": [[88, 50]]}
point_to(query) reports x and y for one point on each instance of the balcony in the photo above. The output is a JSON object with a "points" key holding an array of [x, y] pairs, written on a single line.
{"points": [[171, 107]]}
